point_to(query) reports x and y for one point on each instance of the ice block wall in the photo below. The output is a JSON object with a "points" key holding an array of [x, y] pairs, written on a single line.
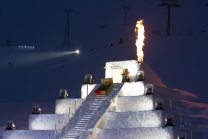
{"points": [[47, 121], [66, 106], [28, 134]]}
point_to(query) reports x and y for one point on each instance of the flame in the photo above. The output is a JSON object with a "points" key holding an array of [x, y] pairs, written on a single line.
{"points": [[140, 39]]}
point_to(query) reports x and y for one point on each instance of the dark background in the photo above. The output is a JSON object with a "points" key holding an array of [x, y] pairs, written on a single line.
{"points": [[37, 75]]}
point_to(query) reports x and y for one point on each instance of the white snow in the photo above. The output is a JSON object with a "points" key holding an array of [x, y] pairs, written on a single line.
{"points": [[86, 89], [135, 103], [28, 134], [47, 121], [135, 133], [132, 89], [66, 106], [132, 119]]}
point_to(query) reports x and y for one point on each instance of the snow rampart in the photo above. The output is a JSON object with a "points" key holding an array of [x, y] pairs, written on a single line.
{"points": [[132, 89], [47, 121], [28, 134], [135, 103], [133, 119], [135, 133], [66, 106]]}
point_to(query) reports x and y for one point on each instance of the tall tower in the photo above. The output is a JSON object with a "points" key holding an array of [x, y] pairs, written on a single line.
{"points": [[126, 8], [66, 36], [169, 4]]}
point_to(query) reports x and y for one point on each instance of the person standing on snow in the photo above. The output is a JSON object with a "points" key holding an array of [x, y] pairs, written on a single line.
{"points": [[126, 76]]}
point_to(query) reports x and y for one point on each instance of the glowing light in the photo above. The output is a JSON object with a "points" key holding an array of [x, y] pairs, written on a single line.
{"points": [[140, 39], [77, 51]]}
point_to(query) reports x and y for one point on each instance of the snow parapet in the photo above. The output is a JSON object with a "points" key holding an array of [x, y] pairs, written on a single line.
{"points": [[67, 106], [47, 121], [132, 119], [28, 134], [135, 133], [132, 89], [135, 103]]}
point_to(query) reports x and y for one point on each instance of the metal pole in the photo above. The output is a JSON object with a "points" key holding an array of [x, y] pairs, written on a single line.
{"points": [[125, 18], [69, 114], [75, 107], [55, 130], [87, 89], [48, 136], [168, 26]]}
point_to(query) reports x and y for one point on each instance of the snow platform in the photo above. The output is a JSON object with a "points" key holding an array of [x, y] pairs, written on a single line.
{"points": [[132, 119], [63, 106], [141, 133], [47, 121], [135, 103], [28, 134], [132, 89]]}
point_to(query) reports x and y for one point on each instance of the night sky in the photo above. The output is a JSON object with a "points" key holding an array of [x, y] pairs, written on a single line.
{"points": [[37, 75]]}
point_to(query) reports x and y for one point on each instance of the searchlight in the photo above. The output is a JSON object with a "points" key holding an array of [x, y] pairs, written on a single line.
{"points": [[77, 51]]}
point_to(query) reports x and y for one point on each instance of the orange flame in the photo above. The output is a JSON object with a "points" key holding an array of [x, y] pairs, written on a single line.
{"points": [[140, 39]]}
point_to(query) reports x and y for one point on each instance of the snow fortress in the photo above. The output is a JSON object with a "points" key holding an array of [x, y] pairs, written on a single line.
{"points": [[142, 108]]}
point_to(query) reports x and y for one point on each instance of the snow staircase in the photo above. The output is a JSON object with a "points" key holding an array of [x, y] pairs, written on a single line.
{"points": [[87, 116]]}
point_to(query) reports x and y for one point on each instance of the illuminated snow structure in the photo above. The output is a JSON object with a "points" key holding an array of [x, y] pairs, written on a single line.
{"points": [[144, 109]]}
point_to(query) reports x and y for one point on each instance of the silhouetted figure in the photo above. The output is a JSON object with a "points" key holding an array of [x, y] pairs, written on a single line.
{"points": [[121, 41], [126, 76], [149, 91], [10, 126], [169, 121], [36, 109], [88, 79], [63, 94], [159, 106], [11, 65]]}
